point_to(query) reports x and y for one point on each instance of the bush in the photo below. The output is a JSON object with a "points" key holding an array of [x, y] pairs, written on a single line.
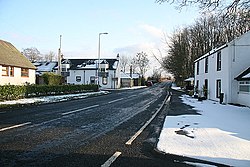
{"points": [[51, 78], [12, 92]]}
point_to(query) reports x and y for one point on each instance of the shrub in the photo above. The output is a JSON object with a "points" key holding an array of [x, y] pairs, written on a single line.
{"points": [[12, 92], [51, 78]]}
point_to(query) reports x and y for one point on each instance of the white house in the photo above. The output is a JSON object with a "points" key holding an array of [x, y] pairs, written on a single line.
{"points": [[15, 68], [218, 70], [85, 71]]}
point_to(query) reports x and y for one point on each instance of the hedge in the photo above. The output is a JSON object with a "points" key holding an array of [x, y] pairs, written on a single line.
{"points": [[12, 92]]}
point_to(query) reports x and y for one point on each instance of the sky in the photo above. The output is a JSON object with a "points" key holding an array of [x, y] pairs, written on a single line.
{"points": [[132, 25]]}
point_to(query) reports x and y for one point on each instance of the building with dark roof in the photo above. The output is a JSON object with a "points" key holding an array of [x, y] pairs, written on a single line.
{"points": [[85, 71]]}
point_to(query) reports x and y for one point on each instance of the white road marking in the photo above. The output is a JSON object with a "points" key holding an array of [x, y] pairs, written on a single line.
{"points": [[74, 111], [129, 142], [132, 96], [2, 112], [111, 159], [115, 100], [15, 126]]}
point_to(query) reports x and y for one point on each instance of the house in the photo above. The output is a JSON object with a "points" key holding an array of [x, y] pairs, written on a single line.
{"points": [[15, 68], [126, 80], [244, 87], [85, 71], [43, 67], [189, 83], [215, 72]]}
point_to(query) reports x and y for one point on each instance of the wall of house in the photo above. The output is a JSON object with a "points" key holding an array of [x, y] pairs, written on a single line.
{"points": [[235, 58], [111, 82], [84, 75], [17, 79], [240, 55], [243, 99]]}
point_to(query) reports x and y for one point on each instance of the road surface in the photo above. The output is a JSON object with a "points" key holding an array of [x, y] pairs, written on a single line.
{"points": [[105, 130]]}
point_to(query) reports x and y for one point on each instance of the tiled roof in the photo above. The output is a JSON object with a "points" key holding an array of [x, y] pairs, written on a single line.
{"points": [[10, 56]]}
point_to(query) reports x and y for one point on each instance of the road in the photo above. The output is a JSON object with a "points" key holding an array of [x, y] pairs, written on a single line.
{"points": [[86, 132]]}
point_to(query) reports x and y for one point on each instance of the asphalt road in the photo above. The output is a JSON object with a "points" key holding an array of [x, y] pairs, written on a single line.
{"points": [[86, 132]]}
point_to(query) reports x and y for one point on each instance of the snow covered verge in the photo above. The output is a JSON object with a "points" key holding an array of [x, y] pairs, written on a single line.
{"points": [[51, 99], [221, 134]]}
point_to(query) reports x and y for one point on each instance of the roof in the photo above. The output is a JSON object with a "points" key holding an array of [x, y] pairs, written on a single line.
{"points": [[10, 56], [45, 66], [124, 75], [89, 64], [189, 79], [244, 76]]}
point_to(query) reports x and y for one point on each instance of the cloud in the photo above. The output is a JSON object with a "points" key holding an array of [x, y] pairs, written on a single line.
{"points": [[152, 31]]}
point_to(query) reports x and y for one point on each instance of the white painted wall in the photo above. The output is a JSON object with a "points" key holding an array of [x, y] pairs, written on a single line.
{"points": [[17, 79], [235, 58], [84, 74]]}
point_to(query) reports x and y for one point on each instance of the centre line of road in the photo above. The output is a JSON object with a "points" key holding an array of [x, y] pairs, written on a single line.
{"points": [[115, 100], [132, 96], [15, 126], [129, 142], [74, 111], [111, 159]]}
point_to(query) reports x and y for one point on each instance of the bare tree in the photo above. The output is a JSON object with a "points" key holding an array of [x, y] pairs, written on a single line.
{"points": [[32, 54], [50, 56], [211, 4], [142, 62], [124, 62]]}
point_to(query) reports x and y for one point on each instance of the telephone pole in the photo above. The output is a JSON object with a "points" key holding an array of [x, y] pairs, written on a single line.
{"points": [[59, 57]]}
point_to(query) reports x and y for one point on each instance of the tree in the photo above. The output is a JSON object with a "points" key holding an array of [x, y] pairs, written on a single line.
{"points": [[32, 54], [124, 62], [50, 56], [141, 61], [189, 43], [211, 4]]}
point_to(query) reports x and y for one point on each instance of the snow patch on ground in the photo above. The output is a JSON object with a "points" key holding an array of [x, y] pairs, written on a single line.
{"points": [[220, 134], [51, 99]]}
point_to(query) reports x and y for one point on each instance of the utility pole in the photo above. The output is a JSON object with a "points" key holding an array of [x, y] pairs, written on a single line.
{"points": [[59, 57]]}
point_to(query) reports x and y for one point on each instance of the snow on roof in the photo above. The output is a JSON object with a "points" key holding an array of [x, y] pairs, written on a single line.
{"points": [[246, 76], [189, 79], [124, 75], [243, 76], [46, 66]]}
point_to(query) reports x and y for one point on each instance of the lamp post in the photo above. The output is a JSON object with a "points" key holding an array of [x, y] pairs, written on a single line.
{"points": [[99, 53]]}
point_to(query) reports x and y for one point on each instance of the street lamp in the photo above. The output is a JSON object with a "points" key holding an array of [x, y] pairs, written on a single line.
{"points": [[99, 52]]}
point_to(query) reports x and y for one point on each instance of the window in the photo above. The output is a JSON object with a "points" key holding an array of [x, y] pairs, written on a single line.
{"points": [[92, 80], [5, 71], [219, 61], [78, 78], [198, 66], [24, 72], [244, 86], [104, 80], [206, 65], [218, 88], [12, 71]]}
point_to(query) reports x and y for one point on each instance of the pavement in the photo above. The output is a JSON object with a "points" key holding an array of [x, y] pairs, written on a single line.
{"points": [[216, 154]]}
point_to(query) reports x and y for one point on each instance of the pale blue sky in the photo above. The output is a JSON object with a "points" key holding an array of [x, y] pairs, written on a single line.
{"points": [[133, 25]]}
